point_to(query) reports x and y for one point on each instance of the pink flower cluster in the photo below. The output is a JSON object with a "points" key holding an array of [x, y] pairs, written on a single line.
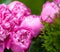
{"points": [[18, 26], [50, 9]]}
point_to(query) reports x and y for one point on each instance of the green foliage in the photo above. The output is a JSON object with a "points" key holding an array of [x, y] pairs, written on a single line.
{"points": [[50, 0], [5, 1], [51, 36], [0, 1], [36, 45]]}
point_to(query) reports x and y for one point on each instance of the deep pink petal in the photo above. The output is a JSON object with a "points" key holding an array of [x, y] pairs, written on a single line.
{"points": [[16, 48], [2, 47]]}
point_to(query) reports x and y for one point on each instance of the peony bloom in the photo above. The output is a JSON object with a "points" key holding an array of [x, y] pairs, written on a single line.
{"points": [[48, 12], [32, 22], [18, 9], [10, 19], [21, 38]]}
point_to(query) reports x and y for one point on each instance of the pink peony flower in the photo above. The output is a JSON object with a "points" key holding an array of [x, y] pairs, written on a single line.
{"points": [[32, 22], [18, 9], [22, 38], [48, 12], [10, 24]]}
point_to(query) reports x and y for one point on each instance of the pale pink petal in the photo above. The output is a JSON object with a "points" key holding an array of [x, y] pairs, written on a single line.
{"points": [[32, 22]]}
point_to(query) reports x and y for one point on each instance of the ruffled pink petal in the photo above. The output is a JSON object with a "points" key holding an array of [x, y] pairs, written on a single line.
{"points": [[4, 24], [18, 9]]}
